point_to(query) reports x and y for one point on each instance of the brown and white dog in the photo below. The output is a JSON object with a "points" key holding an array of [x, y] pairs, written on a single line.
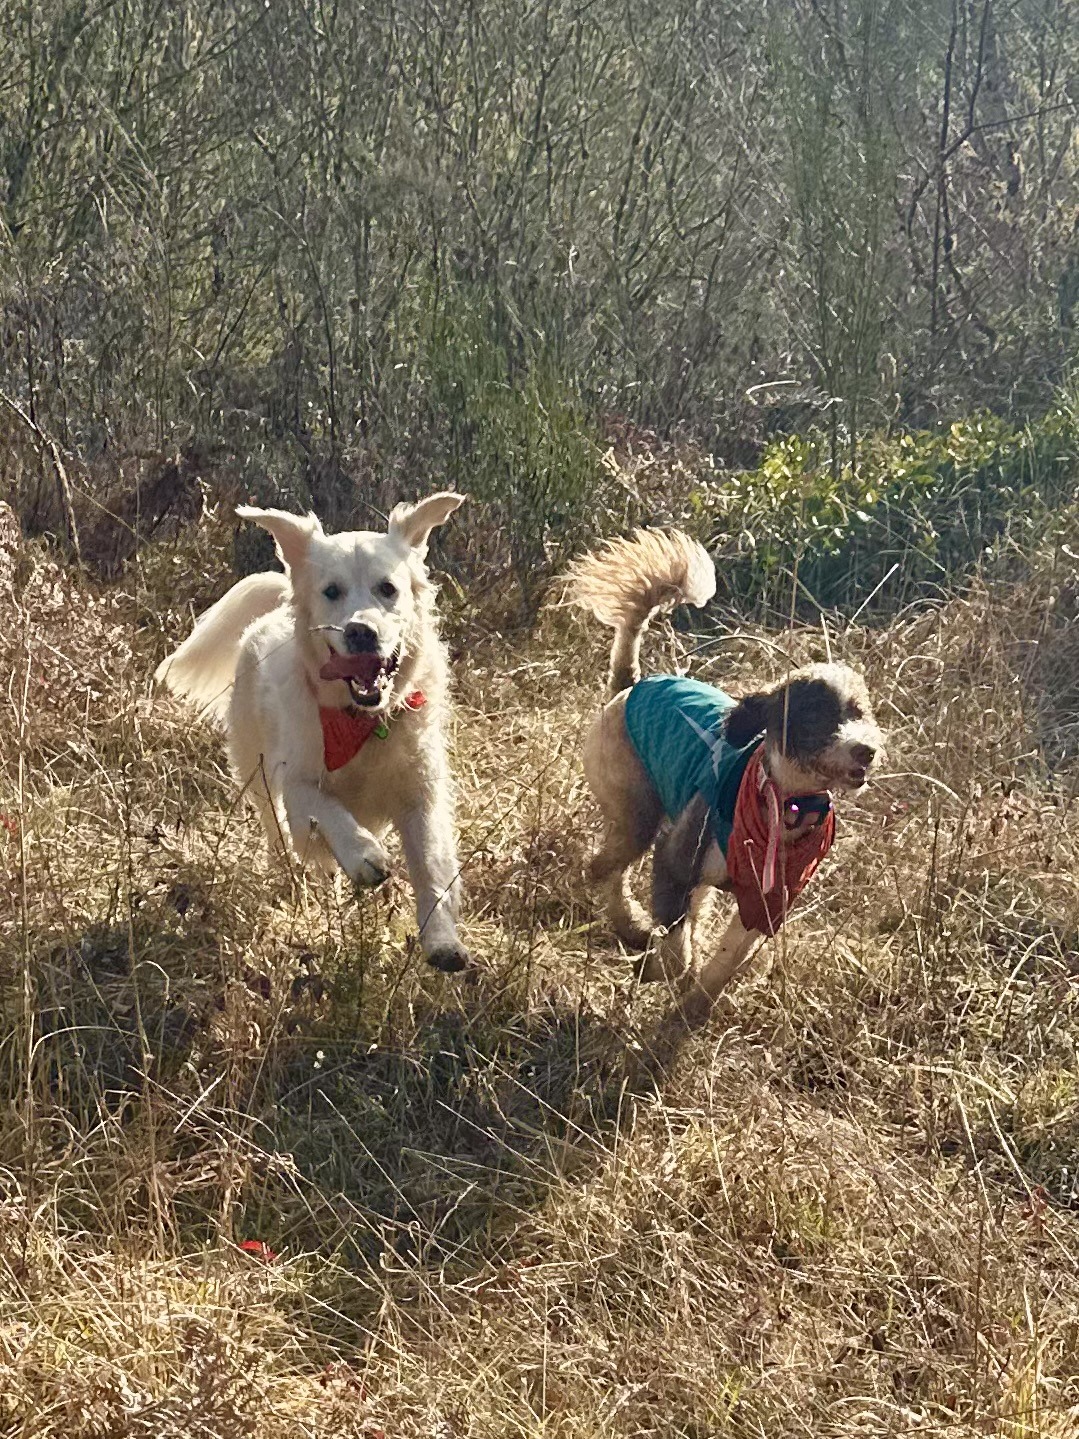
{"points": [[749, 809], [332, 682]]}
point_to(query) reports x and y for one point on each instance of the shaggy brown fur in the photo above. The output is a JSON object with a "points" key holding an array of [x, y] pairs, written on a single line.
{"points": [[629, 581], [819, 734]]}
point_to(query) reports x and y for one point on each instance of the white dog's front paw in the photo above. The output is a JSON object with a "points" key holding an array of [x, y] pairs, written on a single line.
{"points": [[450, 958], [372, 869]]}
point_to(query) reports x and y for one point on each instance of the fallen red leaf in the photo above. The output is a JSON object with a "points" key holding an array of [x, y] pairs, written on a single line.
{"points": [[258, 1250]]}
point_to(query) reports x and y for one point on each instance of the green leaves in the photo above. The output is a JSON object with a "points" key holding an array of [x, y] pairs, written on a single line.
{"points": [[519, 434], [910, 510]]}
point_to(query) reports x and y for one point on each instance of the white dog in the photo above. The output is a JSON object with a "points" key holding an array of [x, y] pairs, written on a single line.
{"points": [[332, 683]]}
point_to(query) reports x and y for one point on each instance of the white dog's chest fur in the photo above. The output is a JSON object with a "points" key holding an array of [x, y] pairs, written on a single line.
{"points": [[275, 715], [386, 775]]}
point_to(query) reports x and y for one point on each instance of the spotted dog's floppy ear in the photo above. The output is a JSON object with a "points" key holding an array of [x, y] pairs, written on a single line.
{"points": [[292, 533], [748, 719], [414, 523]]}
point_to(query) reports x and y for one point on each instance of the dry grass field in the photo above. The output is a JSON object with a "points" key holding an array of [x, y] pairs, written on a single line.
{"points": [[849, 1207]]}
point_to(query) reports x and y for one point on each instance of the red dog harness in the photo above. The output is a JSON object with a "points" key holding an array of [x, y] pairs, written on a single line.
{"points": [[766, 875]]}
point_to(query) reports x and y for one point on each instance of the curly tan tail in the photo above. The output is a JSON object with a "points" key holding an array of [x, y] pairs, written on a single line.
{"points": [[628, 581]]}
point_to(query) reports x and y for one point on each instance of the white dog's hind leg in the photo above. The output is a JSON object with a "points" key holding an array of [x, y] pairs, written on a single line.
{"points": [[355, 849], [427, 836]]}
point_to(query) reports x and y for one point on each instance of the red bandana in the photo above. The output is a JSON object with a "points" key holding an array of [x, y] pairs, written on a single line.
{"points": [[766, 875], [345, 732]]}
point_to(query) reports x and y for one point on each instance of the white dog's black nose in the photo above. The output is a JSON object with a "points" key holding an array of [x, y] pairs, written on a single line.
{"points": [[863, 754], [360, 639]]}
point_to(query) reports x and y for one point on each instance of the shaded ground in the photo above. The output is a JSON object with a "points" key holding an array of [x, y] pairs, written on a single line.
{"points": [[850, 1209]]}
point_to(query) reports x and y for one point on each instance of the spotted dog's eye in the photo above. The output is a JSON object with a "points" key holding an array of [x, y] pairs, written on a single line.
{"points": [[332, 592], [386, 589]]}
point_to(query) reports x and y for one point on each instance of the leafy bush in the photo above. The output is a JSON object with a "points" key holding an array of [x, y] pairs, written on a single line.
{"points": [[240, 225], [904, 514], [518, 437]]}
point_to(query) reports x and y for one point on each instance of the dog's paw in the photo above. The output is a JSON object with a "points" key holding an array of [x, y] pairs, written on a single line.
{"points": [[449, 958], [372, 870], [664, 959], [649, 968]]}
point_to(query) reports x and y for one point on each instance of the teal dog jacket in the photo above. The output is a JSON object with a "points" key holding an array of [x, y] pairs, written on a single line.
{"points": [[676, 727]]}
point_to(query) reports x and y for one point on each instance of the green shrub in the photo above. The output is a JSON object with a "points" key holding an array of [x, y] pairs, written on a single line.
{"points": [[905, 514], [518, 436]]}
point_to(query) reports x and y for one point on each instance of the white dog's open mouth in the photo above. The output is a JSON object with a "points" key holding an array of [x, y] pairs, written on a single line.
{"points": [[368, 675]]}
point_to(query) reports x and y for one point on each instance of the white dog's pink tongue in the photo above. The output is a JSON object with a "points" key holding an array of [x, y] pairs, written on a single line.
{"points": [[364, 667]]}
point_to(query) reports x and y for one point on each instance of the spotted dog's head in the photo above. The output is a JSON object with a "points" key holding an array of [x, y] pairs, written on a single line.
{"points": [[818, 726], [361, 598]]}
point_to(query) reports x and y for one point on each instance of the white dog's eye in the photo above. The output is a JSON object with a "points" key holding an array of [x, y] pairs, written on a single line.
{"points": [[332, 592], [387, 589]]}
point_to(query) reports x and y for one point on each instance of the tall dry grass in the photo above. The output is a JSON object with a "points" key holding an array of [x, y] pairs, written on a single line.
{"points": [[850, 1208]]}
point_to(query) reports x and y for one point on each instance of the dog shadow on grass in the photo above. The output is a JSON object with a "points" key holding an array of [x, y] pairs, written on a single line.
{"points": [[417, 1143], [434, 1152]]}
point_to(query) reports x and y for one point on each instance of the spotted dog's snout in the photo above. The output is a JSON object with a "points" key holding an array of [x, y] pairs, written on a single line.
{"points": [[863, 755]]}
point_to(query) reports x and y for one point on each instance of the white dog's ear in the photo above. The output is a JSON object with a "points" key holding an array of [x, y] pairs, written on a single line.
{"points": [[414, 523], [292, 533]]}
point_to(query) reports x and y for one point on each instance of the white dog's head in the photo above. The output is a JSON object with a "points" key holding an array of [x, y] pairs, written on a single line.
{"points": [[361, 598]]}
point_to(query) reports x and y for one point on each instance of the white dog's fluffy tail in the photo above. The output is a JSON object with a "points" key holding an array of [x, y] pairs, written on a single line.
{"points": [[626, 582], [202, 670]]}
